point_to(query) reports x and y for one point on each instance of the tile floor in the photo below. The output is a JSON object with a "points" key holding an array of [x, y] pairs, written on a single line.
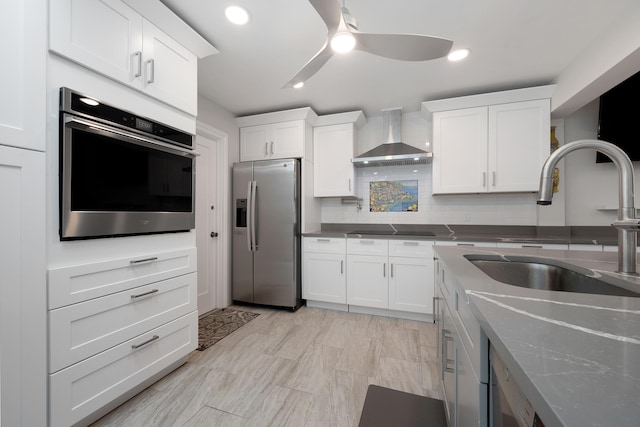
{"points": [[308, 368]]}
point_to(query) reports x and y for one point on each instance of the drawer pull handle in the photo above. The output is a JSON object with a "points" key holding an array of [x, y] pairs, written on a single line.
{"points": [[411, 243], [324, 240], [144, 294], [367, 242], [466, 244], [150, 340], [140, 261], [532, 246]]}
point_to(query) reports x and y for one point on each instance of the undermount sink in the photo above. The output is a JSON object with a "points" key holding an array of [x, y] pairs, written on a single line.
{"points": [[533, 273]]}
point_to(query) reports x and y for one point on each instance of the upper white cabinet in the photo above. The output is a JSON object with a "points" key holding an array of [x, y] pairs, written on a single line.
{"points": [[278, 135], [23, 73], [111, 38], [334, 138], [494, 142], [274, 141]]}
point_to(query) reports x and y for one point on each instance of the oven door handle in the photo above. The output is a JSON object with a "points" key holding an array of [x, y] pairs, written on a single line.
{"points": [[88, 125]]}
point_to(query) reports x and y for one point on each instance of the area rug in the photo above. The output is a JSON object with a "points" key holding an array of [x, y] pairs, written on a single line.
{"points": [[214, 326]]}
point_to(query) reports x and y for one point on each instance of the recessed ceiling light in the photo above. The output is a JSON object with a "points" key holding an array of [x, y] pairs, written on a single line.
{"points": [[298, 85], [237, 15], [458, 54]]}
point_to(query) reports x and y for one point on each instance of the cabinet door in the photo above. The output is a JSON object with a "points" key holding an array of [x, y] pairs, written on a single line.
{"points": [[460, 151], [254, 143], [367, 282], [411, 284], [23, 73], [104, 35], [518, 145], [287, 139], [323, 277], [448, 362], [170, 71], [23, 323], [334, 174]]}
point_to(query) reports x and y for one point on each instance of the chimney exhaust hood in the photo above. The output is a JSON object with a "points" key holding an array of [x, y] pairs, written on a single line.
{"points": [[393, 152]]}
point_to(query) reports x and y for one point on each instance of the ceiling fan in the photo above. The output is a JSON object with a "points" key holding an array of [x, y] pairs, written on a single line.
{"points": [[343, 35]]}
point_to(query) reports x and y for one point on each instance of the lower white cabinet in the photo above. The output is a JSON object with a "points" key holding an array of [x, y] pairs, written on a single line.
{"points": [[115, 324], [324, 270], [367, 282], [394, 274], [84, 388]]}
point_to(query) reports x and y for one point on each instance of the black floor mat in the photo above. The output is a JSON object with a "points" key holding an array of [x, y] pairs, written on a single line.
{"points": [[384, 407]]}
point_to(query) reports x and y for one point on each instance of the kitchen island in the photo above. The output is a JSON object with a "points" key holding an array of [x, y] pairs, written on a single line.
{"points": [[575, 356]]}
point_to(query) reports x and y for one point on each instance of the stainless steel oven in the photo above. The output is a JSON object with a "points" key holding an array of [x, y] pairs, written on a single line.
{"points": [[120, 173]]}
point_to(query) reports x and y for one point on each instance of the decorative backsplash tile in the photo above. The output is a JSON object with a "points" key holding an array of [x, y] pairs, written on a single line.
{"points": [[393, 196]]}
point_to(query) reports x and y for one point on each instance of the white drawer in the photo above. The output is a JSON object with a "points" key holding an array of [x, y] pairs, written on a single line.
{"points": [[84, 329], [328, 245], [560, 246], [367, 247], [69, 285], [82, 389], [464, 243], [411, 248]]}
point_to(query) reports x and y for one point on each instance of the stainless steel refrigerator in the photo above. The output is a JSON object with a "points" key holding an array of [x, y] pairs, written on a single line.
{"points": [[266, 233]]}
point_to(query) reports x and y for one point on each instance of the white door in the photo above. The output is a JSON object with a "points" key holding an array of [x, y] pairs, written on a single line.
{"points": [[210, 221], [367, 282]]}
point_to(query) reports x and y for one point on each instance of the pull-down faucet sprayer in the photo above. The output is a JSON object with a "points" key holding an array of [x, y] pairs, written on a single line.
{"points": [[627, 223]]}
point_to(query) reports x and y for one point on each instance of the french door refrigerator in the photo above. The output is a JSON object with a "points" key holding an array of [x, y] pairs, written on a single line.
{"points": [[266, 233]]}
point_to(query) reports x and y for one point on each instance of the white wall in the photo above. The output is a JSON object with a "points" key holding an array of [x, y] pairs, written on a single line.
{"points": [[214, 115], [589, 185], [496, 209]]}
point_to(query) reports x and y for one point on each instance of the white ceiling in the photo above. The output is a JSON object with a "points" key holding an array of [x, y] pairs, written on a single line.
{"points": [[514, 44]]}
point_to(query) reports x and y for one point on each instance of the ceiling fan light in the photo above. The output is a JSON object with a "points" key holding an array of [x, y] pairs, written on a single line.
{"points": [[298, 85], [343, 42], [458, 54], [237, 15]]}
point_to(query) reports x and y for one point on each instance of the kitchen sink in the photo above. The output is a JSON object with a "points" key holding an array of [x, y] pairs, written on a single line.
{"points": [[535, 273]]}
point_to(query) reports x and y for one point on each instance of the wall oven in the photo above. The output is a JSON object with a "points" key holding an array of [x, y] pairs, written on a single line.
{"points": [[120, 173]]}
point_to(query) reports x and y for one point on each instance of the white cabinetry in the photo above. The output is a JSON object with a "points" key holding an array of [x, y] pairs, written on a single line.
{"points": [[559, 246], [394, 274], [462, 354], [490, 143], [277, 135], [23, 291], [411, 273], [23, 118], [324, 269], [334, 139], [110, 38], [272, 141], [114, 325], [367, 270]]}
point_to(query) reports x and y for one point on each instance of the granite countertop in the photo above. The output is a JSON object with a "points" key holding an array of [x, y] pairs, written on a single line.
{"points": [[597, 235], [576, 356]]}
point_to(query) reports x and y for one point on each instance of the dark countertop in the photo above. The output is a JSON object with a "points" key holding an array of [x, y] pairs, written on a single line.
{"points": [[576, 356], [596, 235]]}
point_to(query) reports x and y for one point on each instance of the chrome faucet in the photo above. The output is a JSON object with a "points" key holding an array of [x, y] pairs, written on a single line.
{"points": [[627, 223]]}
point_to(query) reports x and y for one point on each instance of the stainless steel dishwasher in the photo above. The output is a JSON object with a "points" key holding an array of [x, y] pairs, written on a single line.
{"points": [[508, 406]]}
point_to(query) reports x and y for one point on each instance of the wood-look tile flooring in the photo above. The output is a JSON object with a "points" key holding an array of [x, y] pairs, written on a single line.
{"points": [[308, 368]]}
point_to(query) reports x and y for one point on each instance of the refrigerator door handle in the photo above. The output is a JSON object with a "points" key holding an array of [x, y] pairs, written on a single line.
{"points": [[249, 241], [254, 234]]}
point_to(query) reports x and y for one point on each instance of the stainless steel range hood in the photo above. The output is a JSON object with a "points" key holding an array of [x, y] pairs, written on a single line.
{"points": [[393, 152]]}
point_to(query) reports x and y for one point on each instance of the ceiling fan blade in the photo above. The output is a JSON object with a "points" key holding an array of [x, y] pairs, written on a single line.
{"points": [[312, 67], [406, 47], [329, 11]]}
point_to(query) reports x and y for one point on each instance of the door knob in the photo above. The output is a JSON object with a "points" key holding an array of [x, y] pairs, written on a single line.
{"points": [[214, 234]]}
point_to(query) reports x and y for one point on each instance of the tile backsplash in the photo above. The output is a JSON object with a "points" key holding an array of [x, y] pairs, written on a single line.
{"points": [[490, 209]]}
